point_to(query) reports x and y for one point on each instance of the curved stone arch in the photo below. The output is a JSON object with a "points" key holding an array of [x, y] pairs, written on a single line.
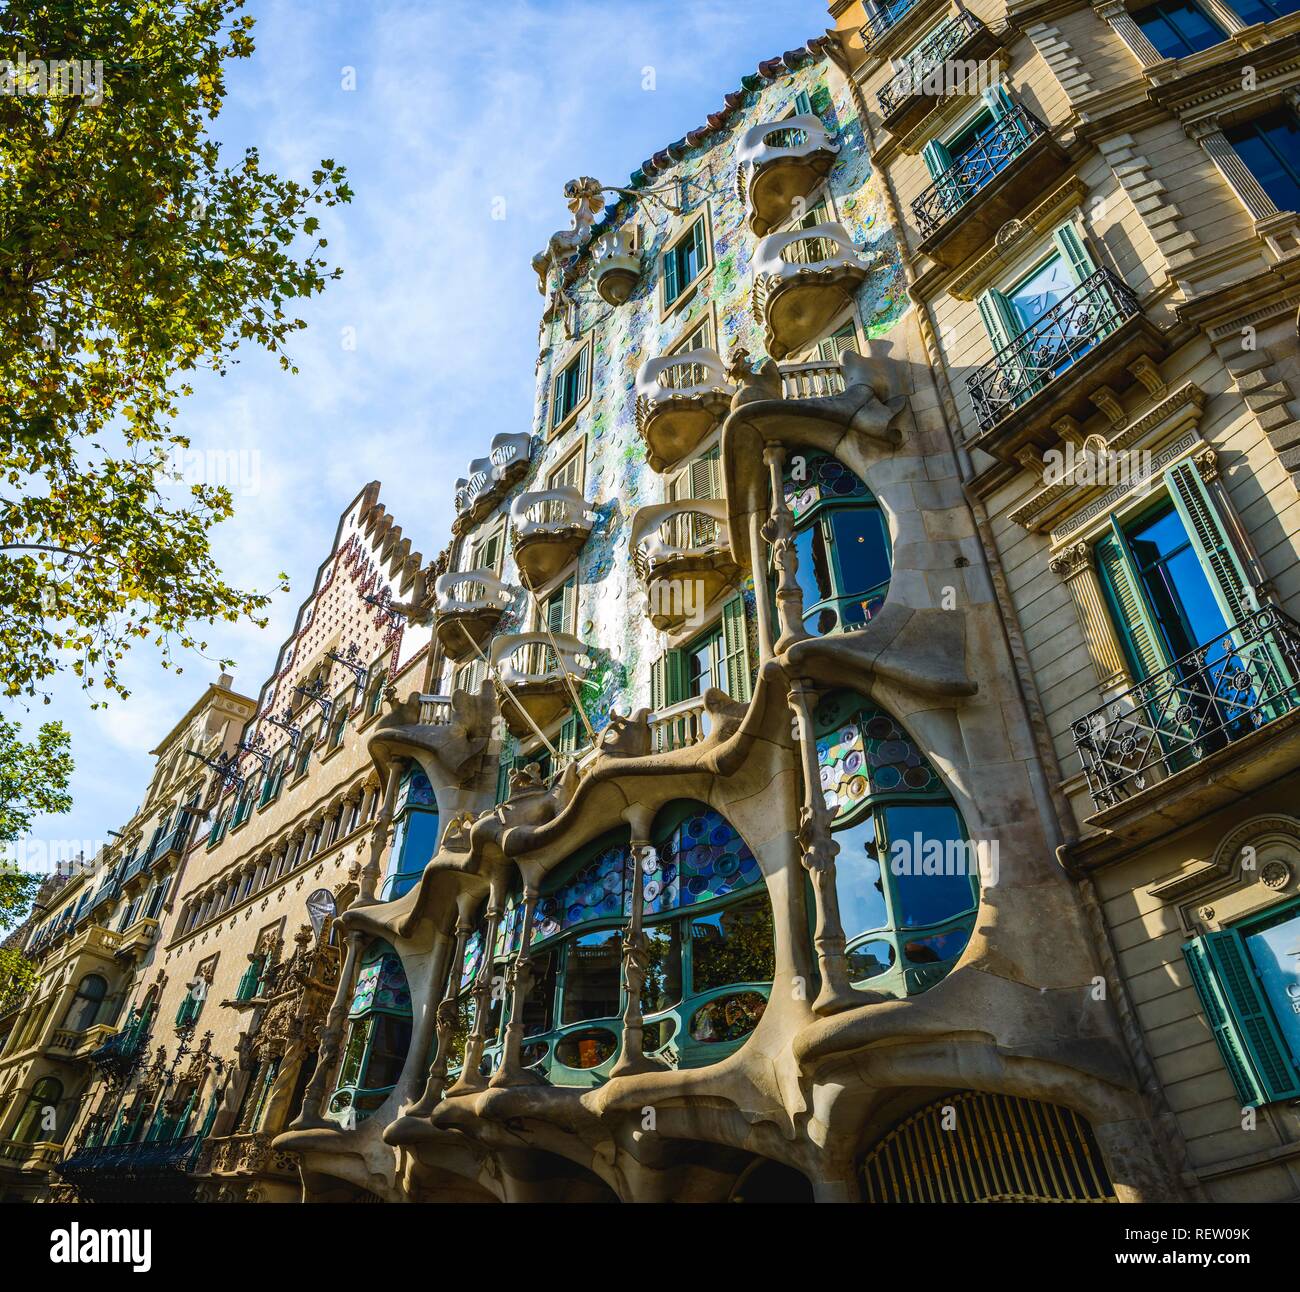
{"points": [[1258, 832]]}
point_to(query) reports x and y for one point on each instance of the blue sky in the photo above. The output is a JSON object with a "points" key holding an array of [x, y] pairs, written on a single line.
{"points": [[457, 103]]}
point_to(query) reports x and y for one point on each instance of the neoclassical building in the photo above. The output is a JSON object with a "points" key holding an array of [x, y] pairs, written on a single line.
{"points": [[841, 752]]}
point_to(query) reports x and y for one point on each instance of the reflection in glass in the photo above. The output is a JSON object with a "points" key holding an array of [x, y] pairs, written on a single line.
{"points": [[663, 979], [539, 1004], [591, 976], [734, 945], [914, 832], [870, 959], [936, 948], [586, 1049], [728, 1018], [857, 880]]}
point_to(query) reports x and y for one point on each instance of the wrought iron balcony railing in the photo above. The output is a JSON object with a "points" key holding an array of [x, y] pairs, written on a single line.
{"points": [[127, 1161], [924, 66], [1214, 695], [994, 150], [1053, 344], [882, 17]]}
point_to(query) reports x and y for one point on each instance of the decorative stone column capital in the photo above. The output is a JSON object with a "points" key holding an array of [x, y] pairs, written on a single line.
{"points": [[1071, 561]]}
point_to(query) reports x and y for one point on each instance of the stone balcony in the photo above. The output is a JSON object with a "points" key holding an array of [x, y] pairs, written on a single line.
{"points": [[548, 529], [802, 280], [781, 162], [490, 478], [534, 673], [22, 1156], [468, 605], [682, 554], [997, 179], [616, 265], [927, 74], [679, 400], [679, 725], [67, 1044]]}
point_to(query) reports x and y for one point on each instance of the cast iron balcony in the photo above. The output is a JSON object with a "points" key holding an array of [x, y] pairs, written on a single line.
{"points": [[490, 477], [883, 18], [535, 674], [549, 527], [679, 399], [1216, 694], [1008, 168], [780, 162], [927, 74], [468, 605], [682, 553], [1075, 326], [802, 280]]}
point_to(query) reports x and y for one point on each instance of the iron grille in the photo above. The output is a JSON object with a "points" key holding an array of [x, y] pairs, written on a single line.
{"points": [[1099, 305], [928, 58], [992, 152], [1212, 696], [882, 17]]}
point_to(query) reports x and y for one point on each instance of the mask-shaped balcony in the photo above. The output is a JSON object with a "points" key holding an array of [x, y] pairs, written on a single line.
{"points": [[549, 528], [491, 477], [468, 605], [780, 162], [926, 74], [682, 554], [616, 266], [679, 400], [802, 280], [533, 671]]}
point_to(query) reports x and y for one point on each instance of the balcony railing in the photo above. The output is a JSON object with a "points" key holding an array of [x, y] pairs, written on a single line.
{"points": [[924, 72], [817, 380], [435, 710], [679, 725], [883, 18], [1214, 695], [999, 145], [468, 592], [1077, 322], [489, 476], [128, 1161]]}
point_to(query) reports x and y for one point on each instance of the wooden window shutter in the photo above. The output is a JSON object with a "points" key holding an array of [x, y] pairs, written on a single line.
{"points": [[503, 781], [994, 315], [583, 378], [1205, 528], [1131, 619], [672, 276], [735, 649], [802, 104], [936, 158], [1074, 252], [658, 684], [1241, 1019], [667, 680], [840, 341], [704, 478], [568, 742]]}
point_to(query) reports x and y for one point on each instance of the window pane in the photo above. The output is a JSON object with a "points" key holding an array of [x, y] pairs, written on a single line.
{"points": [[857, 880], [1276, 953], [1176, 583], [350, 1071], [1270, 147], [388, 1054], [1177, 28], [591, 976], [735, 945], [1040, 291], [663, 980], [926, 845], [539, 1004], [859, 540]]}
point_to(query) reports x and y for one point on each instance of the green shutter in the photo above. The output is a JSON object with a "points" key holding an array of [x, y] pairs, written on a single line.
{"points": [[568, 743], [1074, 252], [845, 339], [1204, 527], [1141, 640], [1241, 1020], [998, 101], [672, 288], [802, 104], [936, 158], [503, 780], [658, 684], [583, 376], [735, 649], [996, 317], [667, 680]]}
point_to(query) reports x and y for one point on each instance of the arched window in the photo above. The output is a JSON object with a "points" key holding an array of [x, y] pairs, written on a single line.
{"points": [[709, 924], [379, 1035], [38, 1121], [415, 836], [84, 1009], [841, 540], [907, 876]]}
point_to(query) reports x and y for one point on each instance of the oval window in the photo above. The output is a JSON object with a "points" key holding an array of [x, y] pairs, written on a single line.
{"points": [[728, 1018], [532, 1055], [937, 948], [870, 958], [656, 1035], [586, 1049]]}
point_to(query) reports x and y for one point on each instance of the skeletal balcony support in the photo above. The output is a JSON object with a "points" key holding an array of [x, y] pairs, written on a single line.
{"points": [[381, 839], [636, 954], [519, 981], [818, 851], [331, 1037], [445, 1020], [470, 1078], [779, 533]]}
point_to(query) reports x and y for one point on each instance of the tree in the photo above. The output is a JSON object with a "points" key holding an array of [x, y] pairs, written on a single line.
{"points": [[33, 779], [133, 253]]}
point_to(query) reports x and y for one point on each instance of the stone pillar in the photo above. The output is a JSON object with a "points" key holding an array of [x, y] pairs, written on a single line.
{"points": [[445, 1023], [1075, 564], [818, 851], [519, 980], [1210, 136], [779, 532], [380, 840], [762, 590], [317, 1092], [470, 1077], [1116, 13]]}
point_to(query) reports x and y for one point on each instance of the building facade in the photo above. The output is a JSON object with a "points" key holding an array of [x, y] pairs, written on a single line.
{"points": [[842, 750]]}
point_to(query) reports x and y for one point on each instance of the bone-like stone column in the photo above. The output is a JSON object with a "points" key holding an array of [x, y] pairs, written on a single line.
{"points": [[381, 839], [445, 1023], [519, 981], [470, 1077], [313, 1100], [779, 532], [818, 850]]}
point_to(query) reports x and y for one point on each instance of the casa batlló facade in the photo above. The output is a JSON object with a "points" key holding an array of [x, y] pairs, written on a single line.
{"points": [[791, 781]]}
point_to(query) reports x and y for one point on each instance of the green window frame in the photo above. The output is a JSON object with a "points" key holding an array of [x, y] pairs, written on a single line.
{"points": [[1240, 1012], [685, 261], [572, 386], [728, 641]]}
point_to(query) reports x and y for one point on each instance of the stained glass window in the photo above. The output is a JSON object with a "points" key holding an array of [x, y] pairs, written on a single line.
{"points": [[705, 858], [382, 984], [595, 892], [812, 477], [472, 960]]}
